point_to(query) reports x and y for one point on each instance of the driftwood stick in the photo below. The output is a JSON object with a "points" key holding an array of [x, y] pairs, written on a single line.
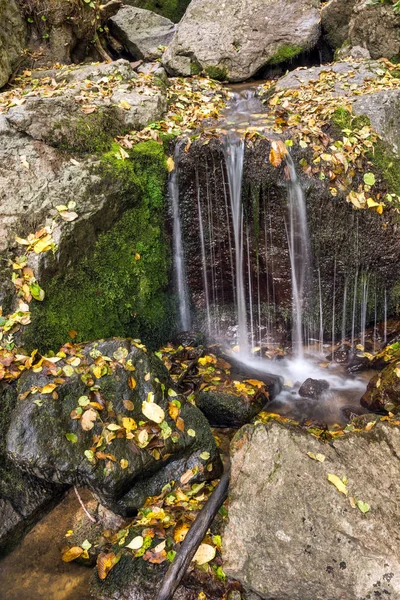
{"points": [[194, 538], [192, 364], [85, 510]]}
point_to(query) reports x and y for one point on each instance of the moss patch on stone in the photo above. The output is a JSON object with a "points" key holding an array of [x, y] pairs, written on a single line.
{"points": [[92, 133], [285, 53], [381, 157], [171, 9], [217, 73], [121, 288]]}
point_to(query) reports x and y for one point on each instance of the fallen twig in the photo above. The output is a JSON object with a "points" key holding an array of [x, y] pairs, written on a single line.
{"points": [[85, 510], [194, 538], [192, 364]]}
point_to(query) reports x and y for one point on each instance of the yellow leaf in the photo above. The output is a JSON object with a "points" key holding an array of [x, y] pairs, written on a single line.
{"points": [[124, 463], [338, 483], [43, 245], [371, 203], [132, 383], [205, 553], [105, 562], [180, 532], [124, 104], [129, 424], [170, 164], [48, 389], [72, 553], [153, 412], [277, 153]]}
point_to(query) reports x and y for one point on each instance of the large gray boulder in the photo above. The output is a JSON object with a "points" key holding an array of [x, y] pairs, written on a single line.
{"points": [[374, 27], [233, 40], [13, 37], [335, 20], [120, 102], [292, 535], [383, 110], [142, 32], [106, 423]]}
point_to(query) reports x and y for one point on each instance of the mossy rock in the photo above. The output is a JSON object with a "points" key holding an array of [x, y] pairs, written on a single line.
{"points": [[284, 54], [383, 392], [121, 285]]}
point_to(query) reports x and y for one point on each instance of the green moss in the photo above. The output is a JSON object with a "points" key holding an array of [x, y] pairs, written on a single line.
{"points": [[218, 73], [285, 53], [171, 9], [381, 157], [121, 288], [195, 68], [92, 133]]}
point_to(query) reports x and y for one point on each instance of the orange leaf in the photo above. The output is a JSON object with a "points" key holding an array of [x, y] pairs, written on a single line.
{"points": [[71, 554], [105, 562]]}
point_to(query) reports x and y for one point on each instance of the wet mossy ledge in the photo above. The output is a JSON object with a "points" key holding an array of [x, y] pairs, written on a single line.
{"points": [[381, 157], [120, 288]]}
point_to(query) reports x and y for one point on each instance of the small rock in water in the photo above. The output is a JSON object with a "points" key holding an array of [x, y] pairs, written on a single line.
{"points": [[358, 362], [313, 388]]}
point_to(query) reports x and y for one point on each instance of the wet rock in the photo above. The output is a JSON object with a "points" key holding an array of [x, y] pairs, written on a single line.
{"points": [[13, 37], [383, 391], [189, 338], [142, 32], [122, 467], [313, 388], [24, 499], [358, 362], [230, 410], [300, 522], [233, 41], [135, 579], [377, 28], [340, 355]]}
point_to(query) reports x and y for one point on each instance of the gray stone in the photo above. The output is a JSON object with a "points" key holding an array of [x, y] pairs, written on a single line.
{"points": [[383, 110], [59, 119], [376, 28], [13, 37], [233, 40], [358, 74], [143, 33], [37, 442], [335, 21], [292, 535]]}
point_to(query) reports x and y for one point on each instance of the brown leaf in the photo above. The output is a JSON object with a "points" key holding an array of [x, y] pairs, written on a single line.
{"points": [[105, 562], [72, 553], [88, 419]]}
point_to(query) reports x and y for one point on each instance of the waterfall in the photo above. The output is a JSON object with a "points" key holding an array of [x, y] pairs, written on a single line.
{"points": [[234, 157], [299, 253], [179, 259]]}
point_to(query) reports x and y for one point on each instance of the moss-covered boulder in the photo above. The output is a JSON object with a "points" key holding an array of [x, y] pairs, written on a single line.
{"points": [[105, 415], [383, 391], [232, 41]]}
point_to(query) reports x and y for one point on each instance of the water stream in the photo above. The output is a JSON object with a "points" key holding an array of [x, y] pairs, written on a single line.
{"points": [[235, 267]]}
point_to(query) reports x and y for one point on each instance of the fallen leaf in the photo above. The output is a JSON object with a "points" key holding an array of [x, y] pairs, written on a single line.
{"points": [[363, 506], [71, 554], [136, 543], [153, 412], [88, 419], [338, 483], [205, 553], [105, 562]]}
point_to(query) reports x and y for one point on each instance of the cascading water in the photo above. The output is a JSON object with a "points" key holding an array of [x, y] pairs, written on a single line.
{"points": [[234, 156], [179, 259], [249, 248], [299, 252]]}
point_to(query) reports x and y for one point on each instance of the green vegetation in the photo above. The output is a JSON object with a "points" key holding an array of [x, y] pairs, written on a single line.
{"points": [[217, 73], [381, 157], [120, 288], [92, 133], [171, 9], [285, 53]]}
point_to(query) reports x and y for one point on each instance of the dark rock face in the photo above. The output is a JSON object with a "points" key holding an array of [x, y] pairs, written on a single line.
{"points": [[383, 391], [45, 441], [189, 338], [313, 388], [202, 178], [233, 41], [358, 362], [142, 32], [300, 523], [335, 21], [24, 498]]}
